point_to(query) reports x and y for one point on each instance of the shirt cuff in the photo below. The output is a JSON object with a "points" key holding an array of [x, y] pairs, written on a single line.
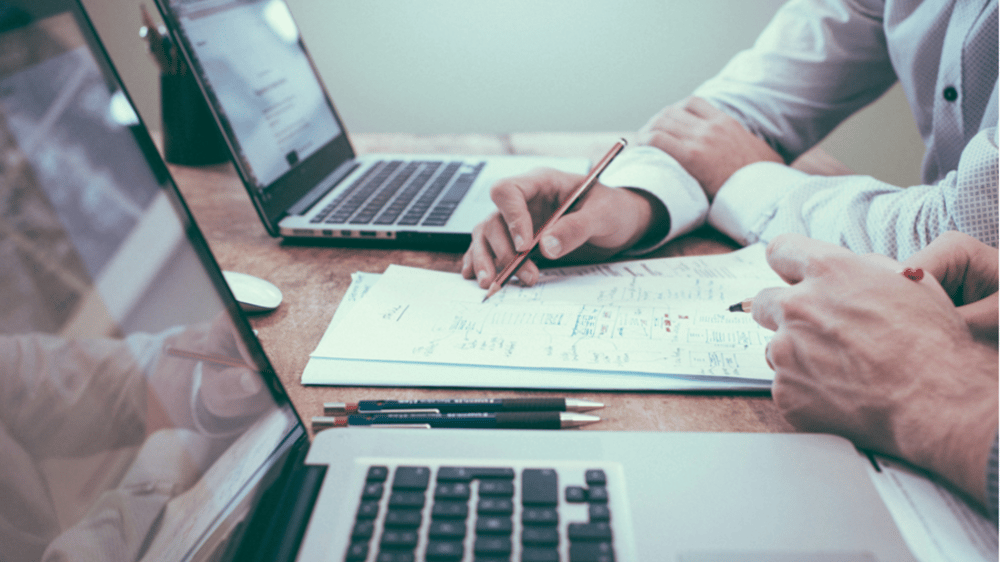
{"points": [[749, 199], [649, 169]]}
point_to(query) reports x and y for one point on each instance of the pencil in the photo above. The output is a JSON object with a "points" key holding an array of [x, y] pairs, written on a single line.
{"points": [[211, 358], [507, 272], [746, 305]]}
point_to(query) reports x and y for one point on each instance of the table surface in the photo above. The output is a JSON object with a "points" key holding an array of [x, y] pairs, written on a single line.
{"points": [[314, 278]]}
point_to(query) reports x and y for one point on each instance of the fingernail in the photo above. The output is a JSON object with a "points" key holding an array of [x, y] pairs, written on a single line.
{"points": [[551, 246], [519, 243], [481, 274]]}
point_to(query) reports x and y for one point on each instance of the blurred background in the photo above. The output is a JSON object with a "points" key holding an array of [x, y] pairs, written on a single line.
{"points": [[477, 66]]}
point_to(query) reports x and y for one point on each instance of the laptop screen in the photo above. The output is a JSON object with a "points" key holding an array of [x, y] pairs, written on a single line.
{"points": [[137, 410], [253, 65]]}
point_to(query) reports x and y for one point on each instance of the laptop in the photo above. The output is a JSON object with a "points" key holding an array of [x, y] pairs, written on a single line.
{"points": [[140, 419], [292, 150]]}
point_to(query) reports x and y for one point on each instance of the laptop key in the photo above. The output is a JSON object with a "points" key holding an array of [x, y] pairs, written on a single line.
{"points": [[547, 516], [597, 494], [450, 510], [411, 478], [492, 545], [444, 550], [377, 474], [446, 529], [492, 525], [452, 491], [595, 477], [500, 488], [406, 500], [403, 518], [496, 506], [363, 530], [599, 512], [399, 539], [536, 554], [357, 551], [539, 487], [368, 510], [539, 536], [591, 552], [395, 556], [589, 532]]}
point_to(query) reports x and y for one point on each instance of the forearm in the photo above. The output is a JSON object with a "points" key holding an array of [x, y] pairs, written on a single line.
{"points": [[859, 212], [815, 64]]}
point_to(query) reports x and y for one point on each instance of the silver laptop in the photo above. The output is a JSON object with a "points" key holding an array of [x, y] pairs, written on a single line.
{"points": [[293, 152], [141, 420]]}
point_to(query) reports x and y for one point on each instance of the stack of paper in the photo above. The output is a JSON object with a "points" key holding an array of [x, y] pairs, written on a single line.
{"points": [[648, 324]]}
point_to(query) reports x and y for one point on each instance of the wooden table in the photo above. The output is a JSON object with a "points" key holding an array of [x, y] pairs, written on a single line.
{"points": [[315, 278]]}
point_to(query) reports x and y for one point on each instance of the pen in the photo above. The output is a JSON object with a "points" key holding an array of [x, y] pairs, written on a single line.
{"points": [[746, 305], [467, 420], [456, 405], [507, 272], [211, 358]]}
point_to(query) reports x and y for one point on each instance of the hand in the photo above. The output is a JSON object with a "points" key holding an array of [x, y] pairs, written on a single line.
{"points": [[861, 351], [709, 144], [967, 269], [604, 223]]}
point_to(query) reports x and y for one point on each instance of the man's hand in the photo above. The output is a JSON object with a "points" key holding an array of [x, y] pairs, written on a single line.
{"points": [[709, 144], [968, 270], [862, 351], [604, 223]]}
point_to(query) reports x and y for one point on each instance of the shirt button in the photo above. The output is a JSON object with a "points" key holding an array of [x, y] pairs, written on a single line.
{"points": [[950, 93]]}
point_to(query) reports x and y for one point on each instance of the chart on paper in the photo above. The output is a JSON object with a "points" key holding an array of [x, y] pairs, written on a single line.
{"points": [[653, 317]]}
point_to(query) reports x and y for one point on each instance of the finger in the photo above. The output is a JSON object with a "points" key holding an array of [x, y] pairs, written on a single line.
{"points": [[701, 108], [964, 266], [516, 196], [766, 309], [595, 216], [982, 319], [794, 256], [480, 255]]}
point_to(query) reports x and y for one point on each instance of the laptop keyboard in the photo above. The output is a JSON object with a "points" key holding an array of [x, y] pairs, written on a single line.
{"points": [[483, 514], [405, 193]]}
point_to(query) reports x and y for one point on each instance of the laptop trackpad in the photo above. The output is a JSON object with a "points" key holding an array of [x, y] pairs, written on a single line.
{"points": [[764, 556]]}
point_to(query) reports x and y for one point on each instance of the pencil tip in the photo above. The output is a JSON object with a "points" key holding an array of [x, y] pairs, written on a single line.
{"points": [[738, 307], [491, 291]]}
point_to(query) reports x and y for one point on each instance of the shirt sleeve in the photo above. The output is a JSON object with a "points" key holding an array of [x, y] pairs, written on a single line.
{"points": [[649, 169], [861, 213], [816, 63]]}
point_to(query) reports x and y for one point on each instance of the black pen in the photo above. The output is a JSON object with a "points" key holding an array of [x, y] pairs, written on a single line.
{"points": [[467, 420], [456, 405]]}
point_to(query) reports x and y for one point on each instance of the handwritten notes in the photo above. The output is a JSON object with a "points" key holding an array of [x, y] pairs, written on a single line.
{"points": [[651, 320]]}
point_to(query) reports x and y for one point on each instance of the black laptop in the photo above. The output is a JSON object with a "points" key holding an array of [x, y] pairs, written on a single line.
{"points": [[140, 418]]}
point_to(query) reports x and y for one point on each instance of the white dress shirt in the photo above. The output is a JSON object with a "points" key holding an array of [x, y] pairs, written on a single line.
{"points": [[815, 64]]}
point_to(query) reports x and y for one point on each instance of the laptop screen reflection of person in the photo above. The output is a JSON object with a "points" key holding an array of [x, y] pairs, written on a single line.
{"points": [[293, 151], [142, 419]]}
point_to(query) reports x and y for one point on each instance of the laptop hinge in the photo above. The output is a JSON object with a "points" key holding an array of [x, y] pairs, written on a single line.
{"points": [[275, 531], [322, 188]]}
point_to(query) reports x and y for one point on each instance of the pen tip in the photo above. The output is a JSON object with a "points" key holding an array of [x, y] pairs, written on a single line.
{"points": [[573, 419], [581, 405]]}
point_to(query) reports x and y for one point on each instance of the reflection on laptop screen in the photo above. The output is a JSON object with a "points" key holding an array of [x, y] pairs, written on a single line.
{"points": [[133, 416], [253, 64]]}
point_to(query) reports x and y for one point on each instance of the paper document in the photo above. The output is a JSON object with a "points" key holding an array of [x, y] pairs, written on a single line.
{"points": [[639, 324], [938, 525]]}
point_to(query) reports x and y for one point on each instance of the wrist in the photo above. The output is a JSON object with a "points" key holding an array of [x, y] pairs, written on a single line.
{"points": [[950, 429]]}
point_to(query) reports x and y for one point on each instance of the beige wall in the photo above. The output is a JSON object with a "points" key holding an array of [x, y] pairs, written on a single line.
{"points": [[456, 66]]}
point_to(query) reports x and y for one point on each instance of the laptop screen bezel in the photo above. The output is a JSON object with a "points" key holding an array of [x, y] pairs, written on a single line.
{"points": [[297, 182]]}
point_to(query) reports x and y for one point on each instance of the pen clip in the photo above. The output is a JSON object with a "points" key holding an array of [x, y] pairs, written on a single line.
{"points": [[398, 425]]}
